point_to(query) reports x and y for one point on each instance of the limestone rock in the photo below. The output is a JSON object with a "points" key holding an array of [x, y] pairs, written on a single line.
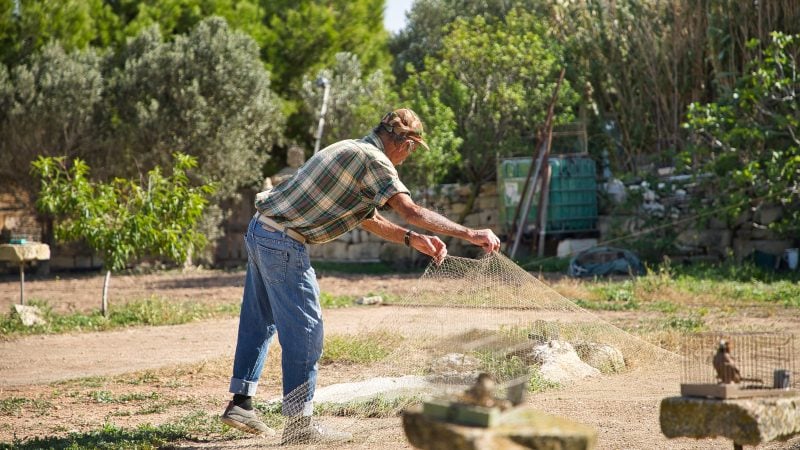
{"points": [[745, 421], [560, 363], [603, 357], [519, 428], [29, 315], [370, 300]]}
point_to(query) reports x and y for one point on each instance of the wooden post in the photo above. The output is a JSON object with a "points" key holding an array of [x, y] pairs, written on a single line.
{"points": [[525, 200], [22, 282]]}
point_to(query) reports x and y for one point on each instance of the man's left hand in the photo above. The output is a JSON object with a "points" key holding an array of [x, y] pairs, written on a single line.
{"points": [[429, 245]]}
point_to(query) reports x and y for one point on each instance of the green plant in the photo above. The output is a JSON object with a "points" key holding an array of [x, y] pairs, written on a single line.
{"points": [[330, 301], [750, 137], [153, 311], [123, 220], [13, 406], [360, 348]]}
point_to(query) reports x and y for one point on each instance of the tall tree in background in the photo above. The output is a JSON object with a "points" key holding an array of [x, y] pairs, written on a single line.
{"points": [[497, 77], [74, 23], [205, 94], [356, 102], [48, 107]]}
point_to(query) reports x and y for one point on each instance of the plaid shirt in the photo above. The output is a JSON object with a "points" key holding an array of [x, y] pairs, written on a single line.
{"points": [[334, 191]]}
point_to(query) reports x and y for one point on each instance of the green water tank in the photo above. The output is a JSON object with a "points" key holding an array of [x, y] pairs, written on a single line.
{"points": [[572, 203]]}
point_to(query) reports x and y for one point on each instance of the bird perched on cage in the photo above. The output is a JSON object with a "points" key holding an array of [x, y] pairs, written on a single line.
{"points": [[727, 372]]}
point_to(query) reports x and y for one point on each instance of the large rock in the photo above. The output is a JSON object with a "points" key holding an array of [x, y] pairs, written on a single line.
{"points": [[518, 428], [603, 357], [559, 363], [745, 421]]}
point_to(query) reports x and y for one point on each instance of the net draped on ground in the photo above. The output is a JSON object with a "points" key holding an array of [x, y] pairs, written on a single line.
{"points": [[467, 316]]}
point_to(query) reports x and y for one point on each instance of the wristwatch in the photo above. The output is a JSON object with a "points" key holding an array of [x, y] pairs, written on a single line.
{"points": [[407, 238]]}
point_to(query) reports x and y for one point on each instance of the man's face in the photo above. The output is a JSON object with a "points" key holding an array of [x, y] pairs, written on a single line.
{"points": [[401, 151]]}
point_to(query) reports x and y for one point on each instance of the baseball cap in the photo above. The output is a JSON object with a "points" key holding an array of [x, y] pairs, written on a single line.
{"points": [[404, 122]]}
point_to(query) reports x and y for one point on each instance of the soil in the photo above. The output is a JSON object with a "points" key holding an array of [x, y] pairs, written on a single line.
{"points": [[81, 381]]}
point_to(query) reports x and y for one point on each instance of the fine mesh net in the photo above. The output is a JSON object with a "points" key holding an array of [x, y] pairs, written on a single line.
{"points": [[464, 317]]}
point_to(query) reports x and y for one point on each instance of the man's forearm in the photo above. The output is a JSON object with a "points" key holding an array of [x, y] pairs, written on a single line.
{"points": [[437, 223], [379, 226]]}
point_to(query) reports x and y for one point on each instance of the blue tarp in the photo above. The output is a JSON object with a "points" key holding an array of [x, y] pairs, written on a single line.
{"points": [[599, 261]]}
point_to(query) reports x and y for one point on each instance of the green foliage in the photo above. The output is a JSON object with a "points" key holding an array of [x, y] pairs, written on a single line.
{"points": [[122, 220], [359, 349], [204, 94], [48, 107], [304, 36], [750, 137], [74, 23], [356, 102], [13, 406], [378, 407], [498, 76], [329, 301], [145, 436], [152, 312]]}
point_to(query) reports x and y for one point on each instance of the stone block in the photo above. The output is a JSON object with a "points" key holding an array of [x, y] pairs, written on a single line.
{"points": [[745, 421], [712, 241], [488, 203], [334, 251], [763, 233], [518, 428], [363, 252], [489, 189], [457, 208]]}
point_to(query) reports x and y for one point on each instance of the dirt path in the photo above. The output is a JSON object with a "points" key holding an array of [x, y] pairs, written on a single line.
{"points": [[623, 408]]}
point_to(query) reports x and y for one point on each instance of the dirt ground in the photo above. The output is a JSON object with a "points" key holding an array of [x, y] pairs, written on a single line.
{"points": [[79, 382]]}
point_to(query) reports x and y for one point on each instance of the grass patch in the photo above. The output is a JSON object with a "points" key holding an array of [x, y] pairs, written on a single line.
{"points": [[685, 324], [549, 264], [151, 311], [193, 427], [330, 301], [611, 297], [14, 406], [107, 397], [375, 408], [359, 348]]}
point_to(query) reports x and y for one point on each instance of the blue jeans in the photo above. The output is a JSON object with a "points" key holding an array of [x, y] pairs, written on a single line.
{"points": [[280, 294]]}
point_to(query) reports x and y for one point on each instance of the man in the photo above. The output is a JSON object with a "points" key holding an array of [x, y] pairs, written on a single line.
{"points": [[337, 190]]}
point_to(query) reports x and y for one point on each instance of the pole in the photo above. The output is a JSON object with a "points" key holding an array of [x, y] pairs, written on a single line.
{"points": [[322, 81], [22, 283], [545, 193], [525, 201]]}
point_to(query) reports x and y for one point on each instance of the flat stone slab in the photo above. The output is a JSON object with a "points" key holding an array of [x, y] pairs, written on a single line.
{"points": [[519, 428], [24, 252], [745, 421]]}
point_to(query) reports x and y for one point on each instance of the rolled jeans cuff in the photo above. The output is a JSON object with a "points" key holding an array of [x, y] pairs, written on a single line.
{"points": [[243, 387]]}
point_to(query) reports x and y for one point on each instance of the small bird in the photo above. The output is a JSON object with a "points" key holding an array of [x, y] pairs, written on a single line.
{"points": [[727, 372], [482, 392]]}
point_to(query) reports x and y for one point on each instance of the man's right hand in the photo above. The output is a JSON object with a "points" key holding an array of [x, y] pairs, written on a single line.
{"points": [[485, 239], [429, 245]]}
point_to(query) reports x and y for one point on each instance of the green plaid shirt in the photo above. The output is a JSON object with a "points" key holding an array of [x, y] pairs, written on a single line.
{"points": [[334, 191]]}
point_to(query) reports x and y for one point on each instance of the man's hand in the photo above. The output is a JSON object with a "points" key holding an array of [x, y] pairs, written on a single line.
{"points": [[485, 239], [429, 245]]}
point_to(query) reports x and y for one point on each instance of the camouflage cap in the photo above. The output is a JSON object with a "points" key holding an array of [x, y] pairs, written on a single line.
{"points": [[404, 122]]}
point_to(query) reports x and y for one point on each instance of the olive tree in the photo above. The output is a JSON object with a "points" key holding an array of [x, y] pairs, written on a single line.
{"points": [[122, 219], [497, 76], [48, 107]]}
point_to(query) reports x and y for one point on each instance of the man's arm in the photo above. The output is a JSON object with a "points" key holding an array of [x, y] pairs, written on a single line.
{"points": [[431, 221], [429, 245]]}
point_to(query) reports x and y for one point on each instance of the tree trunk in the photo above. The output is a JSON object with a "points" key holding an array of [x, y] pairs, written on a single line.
{"points": [[104, 305]]}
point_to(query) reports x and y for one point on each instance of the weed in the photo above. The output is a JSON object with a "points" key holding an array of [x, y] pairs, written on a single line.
{"points": [[376, 407], [145, 436], [152, 311], [612, 297], [329, 301], [690, 324], [108, 397], [538, 383], [359, 349], [14, 406]]}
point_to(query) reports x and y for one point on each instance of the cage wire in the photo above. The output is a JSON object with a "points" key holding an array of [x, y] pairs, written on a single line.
{"points": [[760, 359], [467, 316]]}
